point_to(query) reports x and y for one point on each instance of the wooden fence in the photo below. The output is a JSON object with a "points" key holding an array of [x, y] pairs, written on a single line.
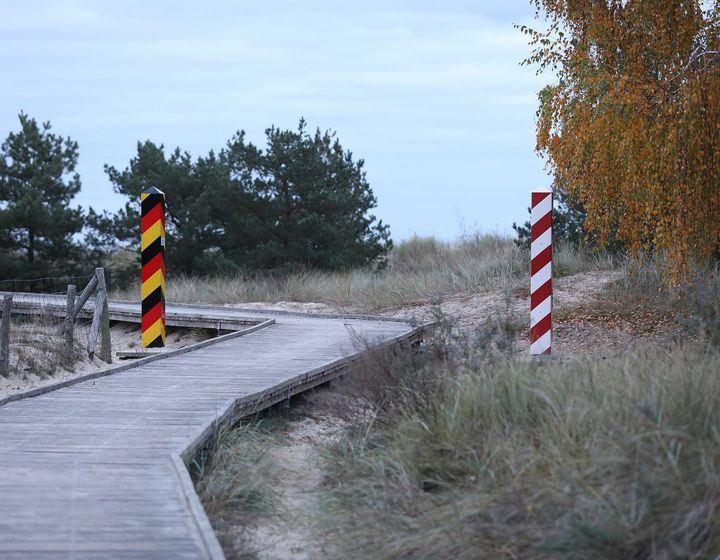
{"points": [[99, 330]]}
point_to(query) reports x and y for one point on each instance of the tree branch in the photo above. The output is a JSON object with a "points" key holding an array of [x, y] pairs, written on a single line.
{"points": [[695, 55]]}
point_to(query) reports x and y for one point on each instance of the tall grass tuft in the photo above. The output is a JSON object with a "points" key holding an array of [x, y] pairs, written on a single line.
{"points": [[607, 458], [236, 477], [569, 258]]}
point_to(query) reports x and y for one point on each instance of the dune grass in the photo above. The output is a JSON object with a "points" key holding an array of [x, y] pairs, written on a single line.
{"points": [[510, 458], [236, 476], [464, 453], [420, 269], [37, 349]]}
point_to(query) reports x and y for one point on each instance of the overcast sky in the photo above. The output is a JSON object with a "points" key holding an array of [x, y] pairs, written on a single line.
{"points": [[429, 93]]}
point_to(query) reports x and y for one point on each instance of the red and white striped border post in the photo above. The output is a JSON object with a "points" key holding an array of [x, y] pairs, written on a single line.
{"points": [[541, 272]]}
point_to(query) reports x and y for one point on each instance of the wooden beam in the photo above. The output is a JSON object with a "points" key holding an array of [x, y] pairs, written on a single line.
{"points": [[85, 295], [105, 343], [5, 336], [69, 323], [101, 322]]}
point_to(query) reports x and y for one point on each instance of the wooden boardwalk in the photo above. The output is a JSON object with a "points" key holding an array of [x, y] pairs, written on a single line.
{"points": [[97, 470]]}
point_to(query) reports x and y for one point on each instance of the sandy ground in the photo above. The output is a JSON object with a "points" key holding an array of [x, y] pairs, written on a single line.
{"points": [[291, 534], [294, 306], [36, 361]]}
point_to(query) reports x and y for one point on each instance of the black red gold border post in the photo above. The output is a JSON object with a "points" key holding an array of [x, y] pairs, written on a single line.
{"points": [[152, 275]]}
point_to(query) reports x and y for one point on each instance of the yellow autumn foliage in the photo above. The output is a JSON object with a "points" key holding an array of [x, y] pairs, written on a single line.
{"points": [[631, 128]]}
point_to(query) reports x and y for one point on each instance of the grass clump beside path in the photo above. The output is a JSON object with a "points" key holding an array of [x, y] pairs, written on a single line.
{"points": [[236, 478], [509, 458]]}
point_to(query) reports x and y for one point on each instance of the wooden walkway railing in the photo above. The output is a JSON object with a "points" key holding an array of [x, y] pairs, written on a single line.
{"points": [[96, 469]]}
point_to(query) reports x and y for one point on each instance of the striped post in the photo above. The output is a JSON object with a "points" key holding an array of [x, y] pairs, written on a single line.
{"points": [[152, 276], [541, 272]]}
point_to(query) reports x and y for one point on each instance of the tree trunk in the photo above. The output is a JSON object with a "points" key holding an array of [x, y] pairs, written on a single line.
{"points": [[31, 245], [287, 201]]}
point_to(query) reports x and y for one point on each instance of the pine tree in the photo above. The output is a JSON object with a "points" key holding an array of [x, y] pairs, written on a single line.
{"points": [[303, 202], [37, 185], [313, 200], [195, 192]]}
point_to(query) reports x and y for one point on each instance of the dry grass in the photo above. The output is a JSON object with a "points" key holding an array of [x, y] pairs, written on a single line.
{"points": [[420, 269], [236, 478], [695, 304], [571, 259], [459, 451], [473, 454], [36, 348], [462, 451]]}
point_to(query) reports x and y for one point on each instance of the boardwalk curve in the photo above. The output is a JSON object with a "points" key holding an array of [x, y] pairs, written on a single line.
{"points": [[97, 469]]}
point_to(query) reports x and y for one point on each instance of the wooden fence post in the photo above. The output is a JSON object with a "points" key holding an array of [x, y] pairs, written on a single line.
{"points": [[105, 343], [69, 323], [5, 336], [101, 321], [81, 300]]}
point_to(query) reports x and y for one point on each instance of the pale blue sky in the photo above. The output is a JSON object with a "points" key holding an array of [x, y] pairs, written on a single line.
{"points": [[429, 93]]}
